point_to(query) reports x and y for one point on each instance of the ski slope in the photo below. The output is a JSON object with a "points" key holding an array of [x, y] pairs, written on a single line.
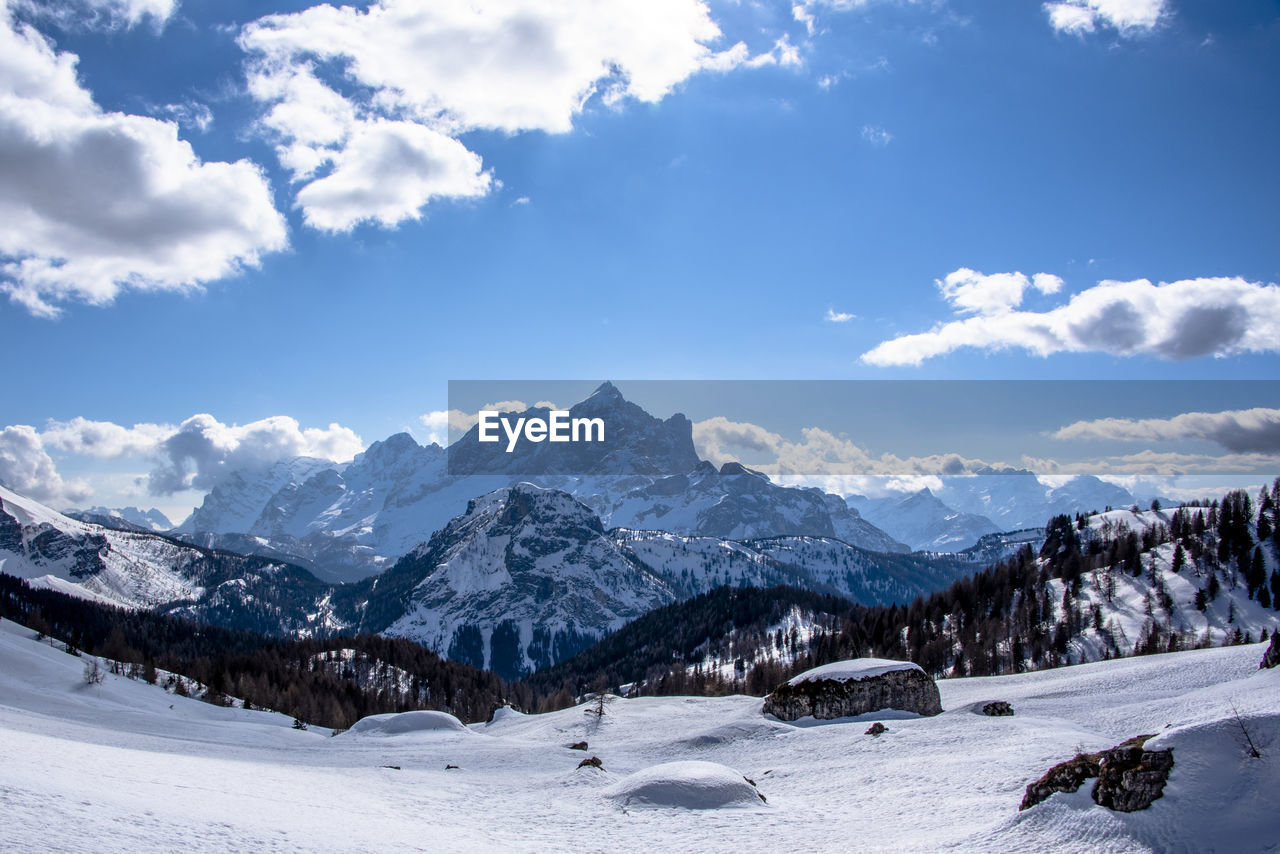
{"points": [[125, 766]]}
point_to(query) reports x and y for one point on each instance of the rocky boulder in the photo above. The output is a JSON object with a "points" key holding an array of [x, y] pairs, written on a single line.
{"points": [[1127, 777], [855, 687]]}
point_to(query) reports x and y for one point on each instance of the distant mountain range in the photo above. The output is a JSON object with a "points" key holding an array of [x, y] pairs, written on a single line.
{"points": [[524, 577], [347, 521], [354, 520], [124, 518], [968, 506]]}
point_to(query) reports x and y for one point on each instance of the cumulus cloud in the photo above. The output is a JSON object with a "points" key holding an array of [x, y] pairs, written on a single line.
{"points": [[203, 449], [834, 316], [26, 468], [387, 172], [1085, 16], [387, 90], [1254, 430], [1175, 320], [104, 439], [190, 455], [93, 201], [441, 422], [971, 292], [818, 452]]}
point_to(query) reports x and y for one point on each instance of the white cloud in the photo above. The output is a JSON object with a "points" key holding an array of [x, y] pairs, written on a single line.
{"points": [[440, 422], [819, 452], [450, 67], [104, 439], [834, 316], [1176, 320], [876, 135], [1254, 430], [388, 172], [26, 468], [92, 202], [133, 12], [971, 292], [1157, 464], [191, 455], [1085, 16], [101, 14], [202, 449]]}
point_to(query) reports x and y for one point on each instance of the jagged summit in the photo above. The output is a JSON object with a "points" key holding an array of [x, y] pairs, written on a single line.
{"points": [[635, 443], [606, 391]]}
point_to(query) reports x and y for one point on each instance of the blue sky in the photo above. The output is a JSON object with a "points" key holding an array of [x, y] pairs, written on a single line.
{"points": [[855, 173]]}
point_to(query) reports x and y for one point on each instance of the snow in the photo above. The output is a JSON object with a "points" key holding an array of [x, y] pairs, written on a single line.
{"points": [[30, 512], [408, 723], [692, 784], [125, 766], [853, 670]]}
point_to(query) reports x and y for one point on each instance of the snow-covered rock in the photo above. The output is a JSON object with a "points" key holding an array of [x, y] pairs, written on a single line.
{"points": [[1126, 778], [408, 723], [855, 687], [691, 784]]}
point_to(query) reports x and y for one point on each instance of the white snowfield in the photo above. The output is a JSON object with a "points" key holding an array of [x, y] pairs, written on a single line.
{"points": [[853, 670], [124, 766]]}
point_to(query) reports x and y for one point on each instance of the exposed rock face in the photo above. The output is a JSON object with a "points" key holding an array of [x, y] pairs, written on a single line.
{"points": [[997, 709], [835, 694], [1129, 778], [1064, 777], [1132, 778], [1271, 658]]}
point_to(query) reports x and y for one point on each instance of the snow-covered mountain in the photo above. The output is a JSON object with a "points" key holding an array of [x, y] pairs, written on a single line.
{"points": [[923, 522], [239, 498], [143, 570], [124, 518], [524, 578], [1015, 499], [528, 576], [734, 502], [350, 521], [967, 507], [635, 442]]}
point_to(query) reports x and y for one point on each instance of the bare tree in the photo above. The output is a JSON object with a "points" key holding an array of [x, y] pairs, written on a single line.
{"points": [[93, 672]]}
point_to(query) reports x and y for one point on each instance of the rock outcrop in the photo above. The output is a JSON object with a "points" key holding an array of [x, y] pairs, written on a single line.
{"points": [[997, 709], [1271, 658], [855, 687], [1127, 777]]}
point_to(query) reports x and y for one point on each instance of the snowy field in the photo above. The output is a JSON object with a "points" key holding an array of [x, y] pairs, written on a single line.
{"points": [[125, 766]]}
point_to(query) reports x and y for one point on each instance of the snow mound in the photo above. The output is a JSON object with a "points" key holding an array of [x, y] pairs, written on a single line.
{"points": [[853, 670], [406, 723], [686, 785], [733, 733], [506, 713]]}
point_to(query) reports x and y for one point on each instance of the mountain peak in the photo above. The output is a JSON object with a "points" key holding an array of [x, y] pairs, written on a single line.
{"points": [[606, 389]]}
